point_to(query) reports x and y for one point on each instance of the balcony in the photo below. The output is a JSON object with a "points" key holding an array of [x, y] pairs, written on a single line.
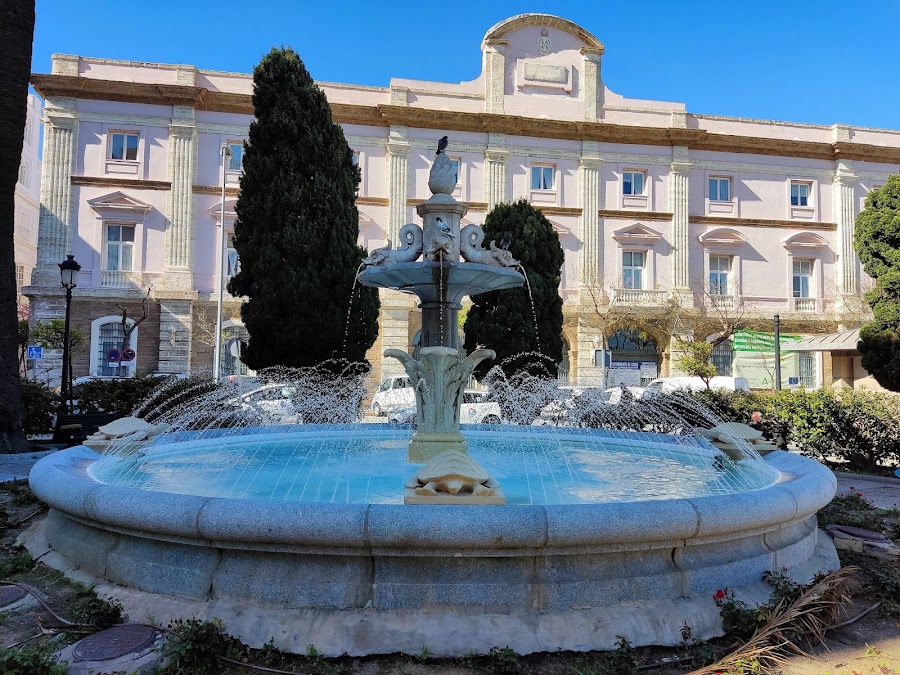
{"points": [[638, 297], [112, 279], [806, 304], [723, 301]]}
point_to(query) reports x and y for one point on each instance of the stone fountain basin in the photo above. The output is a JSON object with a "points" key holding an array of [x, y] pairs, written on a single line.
{"points": [[427, 279], [368, 579]]}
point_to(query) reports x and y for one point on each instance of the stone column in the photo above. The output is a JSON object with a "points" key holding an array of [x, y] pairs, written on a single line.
{"points": [[395, 311], [175, 328], [844, 192], [678, 205], [180, 231], [494, 75], [591, 261], [495, 158], [55, 225], [397, 176], [591, 84]]}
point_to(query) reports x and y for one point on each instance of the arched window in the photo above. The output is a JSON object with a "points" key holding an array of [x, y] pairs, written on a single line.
{"points": [[562, 372], [107, 334], [634, 358], [723, 358], [236, 337]]}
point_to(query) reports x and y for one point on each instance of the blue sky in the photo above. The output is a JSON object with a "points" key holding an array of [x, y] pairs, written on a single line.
{"points": [[822, 62]]}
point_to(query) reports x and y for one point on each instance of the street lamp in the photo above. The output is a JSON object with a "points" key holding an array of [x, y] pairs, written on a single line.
{"points": [[68, 272], [217, 353]]}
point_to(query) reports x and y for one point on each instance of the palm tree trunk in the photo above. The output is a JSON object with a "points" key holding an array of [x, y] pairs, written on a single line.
{"points": [[16, 35]]}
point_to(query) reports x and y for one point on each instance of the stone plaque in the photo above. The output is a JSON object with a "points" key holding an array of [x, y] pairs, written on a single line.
{"points": [[544, 72]]}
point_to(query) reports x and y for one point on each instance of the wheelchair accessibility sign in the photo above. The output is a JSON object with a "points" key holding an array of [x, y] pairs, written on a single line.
{"points": [[35, 353]]}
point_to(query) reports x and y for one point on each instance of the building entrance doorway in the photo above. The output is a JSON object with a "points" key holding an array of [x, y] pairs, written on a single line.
{"points": [[634, 358]]}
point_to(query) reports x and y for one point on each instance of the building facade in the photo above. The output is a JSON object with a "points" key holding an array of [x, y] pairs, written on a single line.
{"points": [[28, 197], [672, 223]]}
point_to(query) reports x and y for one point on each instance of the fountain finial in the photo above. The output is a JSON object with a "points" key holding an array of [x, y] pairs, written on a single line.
{"points": [[442, 179]]}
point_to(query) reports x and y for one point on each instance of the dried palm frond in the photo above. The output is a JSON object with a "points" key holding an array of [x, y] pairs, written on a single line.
{"points": [[805, 619]]}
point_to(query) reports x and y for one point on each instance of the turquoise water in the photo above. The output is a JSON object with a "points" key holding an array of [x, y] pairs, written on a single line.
{"points": [[367, 463]]}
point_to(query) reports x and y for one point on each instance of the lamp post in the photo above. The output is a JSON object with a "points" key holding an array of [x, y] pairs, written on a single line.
{"points": [[217, 353], [68, 272]]}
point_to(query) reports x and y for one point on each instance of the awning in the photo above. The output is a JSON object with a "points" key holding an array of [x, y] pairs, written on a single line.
{"points": [[845, 341]]}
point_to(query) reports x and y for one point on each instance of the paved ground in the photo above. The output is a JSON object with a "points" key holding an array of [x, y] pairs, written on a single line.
{"points": [[884, 493], [14, 467]]}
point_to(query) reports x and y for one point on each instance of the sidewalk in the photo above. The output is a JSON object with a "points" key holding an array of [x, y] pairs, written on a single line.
{"points": [[16, 467], [883, 492]]}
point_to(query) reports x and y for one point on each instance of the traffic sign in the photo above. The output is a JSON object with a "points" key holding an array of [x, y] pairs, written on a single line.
{"points": [[113, 355], [35, 352], [793, 380], [128, 355]]}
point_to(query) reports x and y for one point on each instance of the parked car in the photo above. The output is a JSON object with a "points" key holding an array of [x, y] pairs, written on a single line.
{"points": [[666, 385], [273, 402], [395, 393], [477, 408]]}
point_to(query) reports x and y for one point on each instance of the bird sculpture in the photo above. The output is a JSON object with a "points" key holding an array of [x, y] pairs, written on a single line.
{"points": [[505, 242], [445, 229], [442, 145]]}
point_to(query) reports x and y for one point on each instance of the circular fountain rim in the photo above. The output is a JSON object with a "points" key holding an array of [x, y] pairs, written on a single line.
{"points": [[62, 481]]}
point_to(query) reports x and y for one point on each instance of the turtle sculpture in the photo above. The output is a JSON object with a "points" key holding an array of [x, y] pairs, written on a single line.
{"points": [[455, 473]]}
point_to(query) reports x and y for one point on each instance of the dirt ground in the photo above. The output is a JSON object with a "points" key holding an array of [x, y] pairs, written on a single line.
{"points": [[868, 646]]}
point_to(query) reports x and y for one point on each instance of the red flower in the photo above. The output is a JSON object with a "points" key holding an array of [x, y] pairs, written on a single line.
{"points": [[859, 494], [719, 594]]}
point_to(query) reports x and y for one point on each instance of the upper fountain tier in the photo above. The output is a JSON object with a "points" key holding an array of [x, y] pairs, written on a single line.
{"points": [[453, 263]]}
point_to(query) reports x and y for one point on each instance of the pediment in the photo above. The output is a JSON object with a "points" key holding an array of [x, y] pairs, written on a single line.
{"points": [[722, 236], [119, 202], [637, 232], [806, 240], [216, 209]]}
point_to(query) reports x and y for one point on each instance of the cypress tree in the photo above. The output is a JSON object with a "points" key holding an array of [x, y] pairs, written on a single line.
{"points": [[503, 320], [877, 242], [297, 227]]}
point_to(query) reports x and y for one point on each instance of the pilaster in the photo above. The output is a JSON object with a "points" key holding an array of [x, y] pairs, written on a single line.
{"points": [[678, 205], [175, 330], [397, 180], [494, 75], [591, 84], [394, 331], [495, 158], [589, 373], [180, 231], [55, 224], [844, 192], [589, 202]]}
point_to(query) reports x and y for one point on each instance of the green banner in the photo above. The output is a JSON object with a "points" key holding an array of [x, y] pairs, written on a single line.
{"points": [[756, 341]]}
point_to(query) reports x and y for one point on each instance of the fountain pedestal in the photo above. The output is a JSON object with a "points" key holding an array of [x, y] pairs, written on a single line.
{"points": [[440, 281]]}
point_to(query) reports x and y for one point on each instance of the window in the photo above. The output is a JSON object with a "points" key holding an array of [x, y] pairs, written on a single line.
{"points": [[633, 182], [800, 193], [542, 177], [455, 163], [119, 248], [719, 267], [123, 146], [807, 370], [236, 338], [232, 260], [236, 161], [355, 158], [20, 278], [23, 225], [720, 189], [23, 173], [802, 274], [112, 336], [632, 269], [28, 127], [723, 358]]}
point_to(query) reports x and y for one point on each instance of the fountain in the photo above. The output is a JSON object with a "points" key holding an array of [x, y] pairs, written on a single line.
{"points": [[623, 520]]}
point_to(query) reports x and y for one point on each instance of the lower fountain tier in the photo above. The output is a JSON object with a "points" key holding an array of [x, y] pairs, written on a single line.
{"points": [[441, 282]]}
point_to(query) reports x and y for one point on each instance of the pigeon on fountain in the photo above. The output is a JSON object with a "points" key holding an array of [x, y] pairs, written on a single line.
{"points": [[505, 242], [442, 145], [445, 229]]}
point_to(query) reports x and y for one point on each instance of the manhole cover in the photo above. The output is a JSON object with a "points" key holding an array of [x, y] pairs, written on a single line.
{"points": [[115, 642], [11, 594]]}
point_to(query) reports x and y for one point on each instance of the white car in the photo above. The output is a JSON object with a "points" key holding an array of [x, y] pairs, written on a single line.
{"points": [[477, 408], [395, 393], [666, 385], [274, 402]]}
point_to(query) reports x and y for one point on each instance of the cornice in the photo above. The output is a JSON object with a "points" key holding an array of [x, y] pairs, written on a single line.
{"points": [[216, 190], [761, 222], [635, 215], [373, 201], [128, 183], [383, 115], [551, 210]]}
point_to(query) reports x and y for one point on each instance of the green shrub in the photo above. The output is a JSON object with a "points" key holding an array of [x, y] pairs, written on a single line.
{"points": [[196, 644], [41, 403], [89, 608], [114, 396], [29, 661]]}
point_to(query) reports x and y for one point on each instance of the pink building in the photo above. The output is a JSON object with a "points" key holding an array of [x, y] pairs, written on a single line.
{"points": [[655, 207], [28, 196]]}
